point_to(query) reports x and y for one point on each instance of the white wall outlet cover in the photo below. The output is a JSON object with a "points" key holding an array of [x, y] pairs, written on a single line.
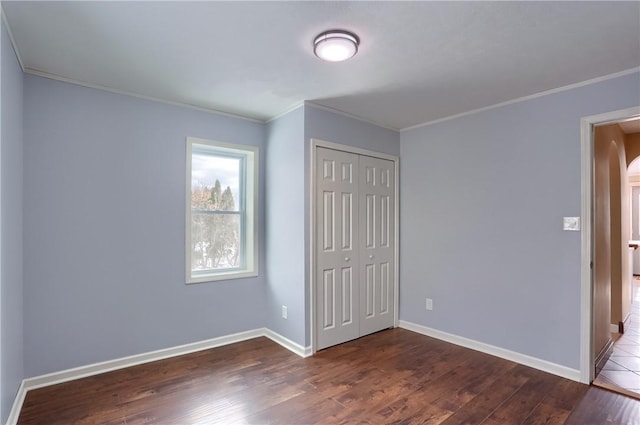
{"points": [[571, 223]]}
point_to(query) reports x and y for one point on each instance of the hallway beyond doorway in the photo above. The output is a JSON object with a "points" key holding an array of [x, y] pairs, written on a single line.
{"points": [[622, 371]]}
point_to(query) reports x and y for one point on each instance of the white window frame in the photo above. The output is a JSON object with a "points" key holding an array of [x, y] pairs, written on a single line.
{"points": [[248, 210]]}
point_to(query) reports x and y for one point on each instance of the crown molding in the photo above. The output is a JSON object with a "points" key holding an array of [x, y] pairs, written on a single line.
{"points": [[11, 38], [285, 112], [528, 97], [348, 115], [56, 77]]}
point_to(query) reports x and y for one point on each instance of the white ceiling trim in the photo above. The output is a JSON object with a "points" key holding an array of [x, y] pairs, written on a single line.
{"points": [[139, 96], [315, 105], [286, 111], [13, 41], [328, 109], [528, 97], [348, 115]]}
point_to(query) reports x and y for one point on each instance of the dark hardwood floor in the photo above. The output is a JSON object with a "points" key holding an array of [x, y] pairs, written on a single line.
{"points": [[392, 377]]}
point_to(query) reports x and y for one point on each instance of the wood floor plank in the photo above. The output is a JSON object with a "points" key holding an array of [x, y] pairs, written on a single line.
{"points": [[600, 406], [481, 406], [523, 402], [547, 414], [392, 377], [557, 403], [437, 401]]}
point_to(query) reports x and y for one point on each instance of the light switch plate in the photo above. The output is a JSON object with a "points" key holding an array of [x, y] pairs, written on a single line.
{"points": [[571, 223]]}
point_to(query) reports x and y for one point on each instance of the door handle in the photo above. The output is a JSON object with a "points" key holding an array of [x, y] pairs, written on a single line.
{"points": [[371, 257], [347, 259]]}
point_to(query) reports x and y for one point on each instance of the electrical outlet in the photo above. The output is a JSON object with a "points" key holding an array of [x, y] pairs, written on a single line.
{"points": [[429, 304], [284, 311]]}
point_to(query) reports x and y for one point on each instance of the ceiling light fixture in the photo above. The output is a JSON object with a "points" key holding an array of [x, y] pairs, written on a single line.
{"points": [[336, 45]]}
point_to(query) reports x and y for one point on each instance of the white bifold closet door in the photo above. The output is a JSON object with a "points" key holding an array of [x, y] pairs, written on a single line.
{"points": [[355, 246]]}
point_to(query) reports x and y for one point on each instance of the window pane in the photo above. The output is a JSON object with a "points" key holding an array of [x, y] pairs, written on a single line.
{"points": [[215, 241], [221, 215], [215, 183]]}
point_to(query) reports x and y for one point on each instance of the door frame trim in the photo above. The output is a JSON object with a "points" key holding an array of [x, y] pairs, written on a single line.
{"points": [[317, 143], [587, 184]]}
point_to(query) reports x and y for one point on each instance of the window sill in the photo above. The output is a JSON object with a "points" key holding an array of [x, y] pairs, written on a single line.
{"points": [[221, 276]]}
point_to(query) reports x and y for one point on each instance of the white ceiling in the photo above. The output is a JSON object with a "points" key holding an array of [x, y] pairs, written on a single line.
{"points": [[418, 61]]}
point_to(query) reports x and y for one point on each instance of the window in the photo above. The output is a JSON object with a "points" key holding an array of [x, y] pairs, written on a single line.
{"points": [[221, 218]]}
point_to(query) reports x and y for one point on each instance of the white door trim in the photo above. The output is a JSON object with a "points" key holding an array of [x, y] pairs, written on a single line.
{"points": [[586, 288], [315, 143]]}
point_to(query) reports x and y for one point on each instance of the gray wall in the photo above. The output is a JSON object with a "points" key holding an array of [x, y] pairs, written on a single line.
{"points": [[332, 127], [11, 278], [285, 225], [104, 193], [483, 198]]}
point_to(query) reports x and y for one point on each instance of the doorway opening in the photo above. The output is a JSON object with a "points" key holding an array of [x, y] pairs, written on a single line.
{"points": [[615, 226]]}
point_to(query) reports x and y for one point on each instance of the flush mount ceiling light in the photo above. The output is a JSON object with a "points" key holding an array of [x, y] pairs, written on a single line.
{"points": [[336, 45]]}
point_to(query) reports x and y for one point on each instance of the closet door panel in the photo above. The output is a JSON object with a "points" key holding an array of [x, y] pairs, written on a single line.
{"points": [[336, 289], [377, 244]]}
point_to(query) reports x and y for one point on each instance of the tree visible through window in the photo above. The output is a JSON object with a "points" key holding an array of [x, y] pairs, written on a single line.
{"points": [[221, 219]]}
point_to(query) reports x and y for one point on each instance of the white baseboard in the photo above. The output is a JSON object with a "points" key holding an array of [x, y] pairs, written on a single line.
{"points": [[151, 356], [546, 366], [110, 365], [136, 359], [17, 405], [287, 343]]}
